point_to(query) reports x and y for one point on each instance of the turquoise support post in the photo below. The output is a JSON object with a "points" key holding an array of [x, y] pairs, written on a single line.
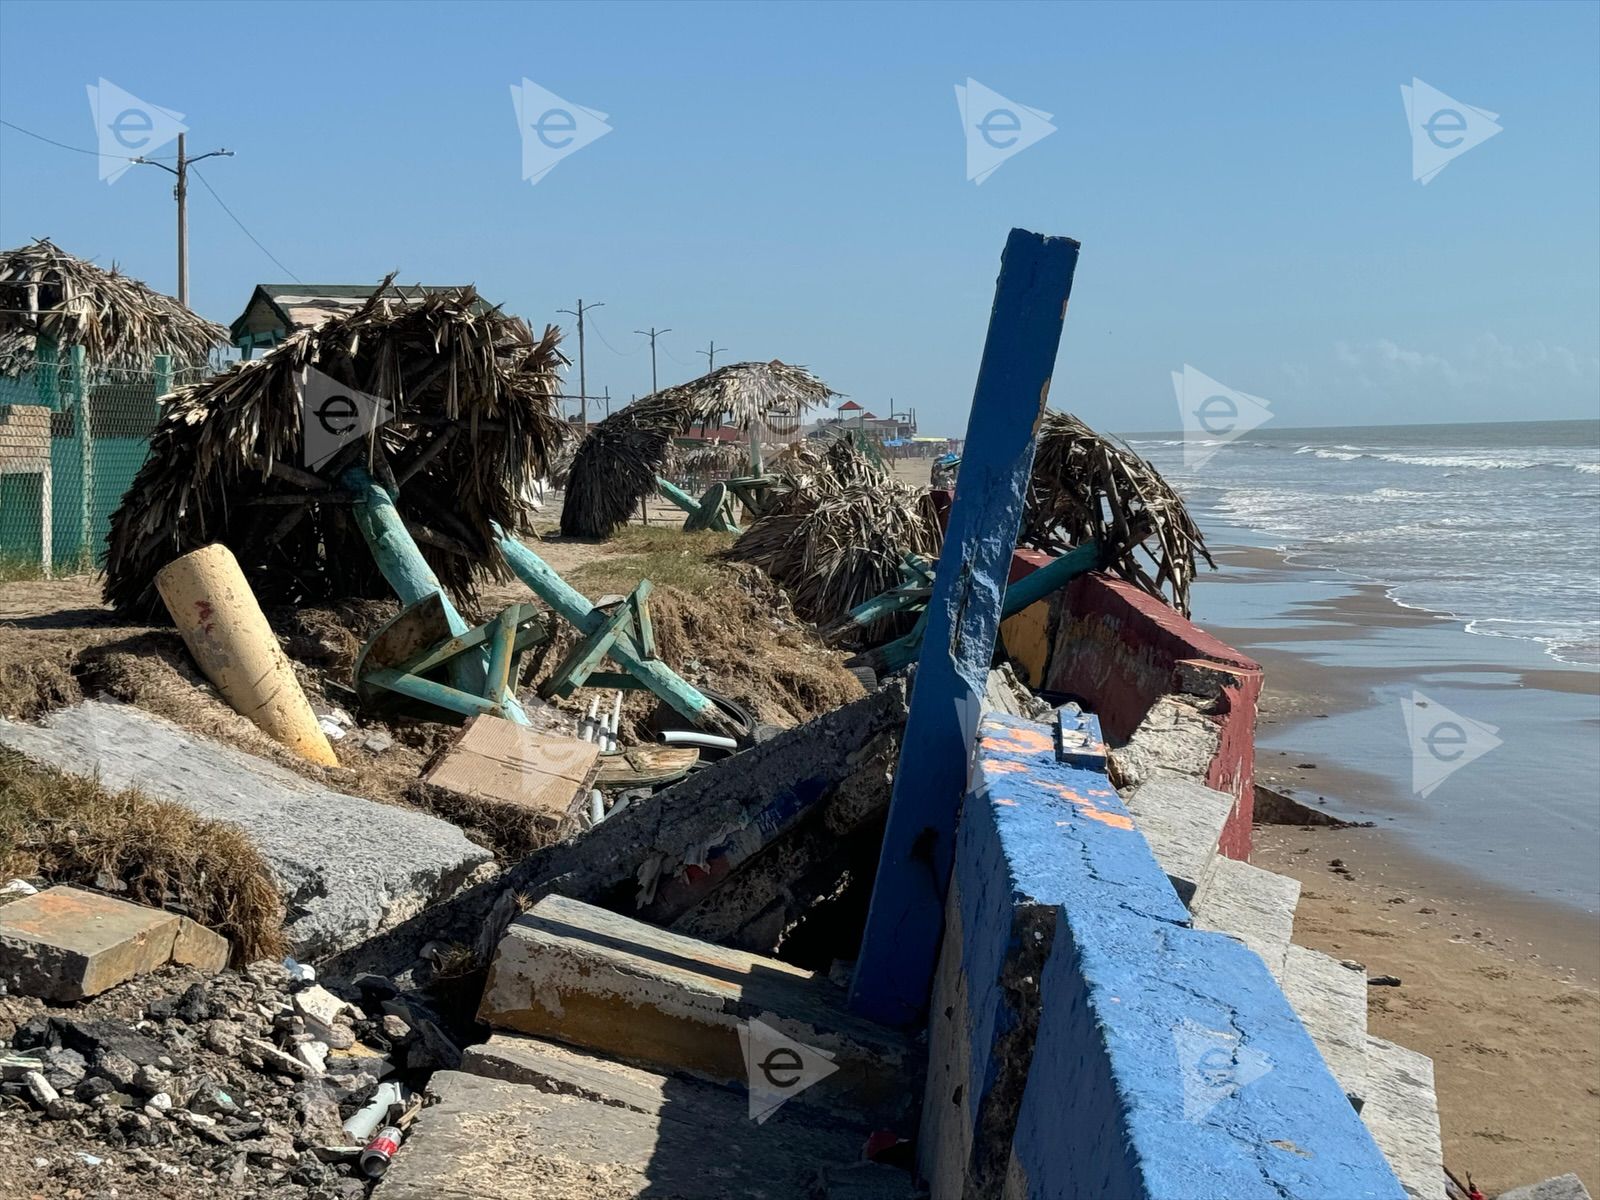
{"points": [[894, 971], [406, 570], [575, 609], [678, 496]]}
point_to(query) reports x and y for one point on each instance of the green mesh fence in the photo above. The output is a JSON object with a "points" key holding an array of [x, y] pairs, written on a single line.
{"points": [[72, 437]]}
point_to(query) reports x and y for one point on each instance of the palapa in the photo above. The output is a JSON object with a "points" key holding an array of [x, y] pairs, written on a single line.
{"points": [[617, 463], [474, 396], [839, 528], [67, 301], [1085, 486]]}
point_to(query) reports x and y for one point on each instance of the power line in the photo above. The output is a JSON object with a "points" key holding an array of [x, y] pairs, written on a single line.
{"points": [[241, 226], [608, 345], [75, 149]]}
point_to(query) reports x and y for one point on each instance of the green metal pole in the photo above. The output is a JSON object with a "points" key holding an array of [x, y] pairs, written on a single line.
{"points": [[576, 610], [406, 570]]}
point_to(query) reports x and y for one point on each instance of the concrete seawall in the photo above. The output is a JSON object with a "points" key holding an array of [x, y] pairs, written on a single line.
{"points": [[1087, 1041]]}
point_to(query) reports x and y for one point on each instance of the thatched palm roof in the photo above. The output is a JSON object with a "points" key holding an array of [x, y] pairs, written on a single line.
{"points": [[838, 528], [475, 424], [617, 463], [1087, 486], [119, 322]]}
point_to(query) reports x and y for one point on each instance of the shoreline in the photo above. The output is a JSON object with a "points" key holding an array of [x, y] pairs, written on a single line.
{"points": [[1498, 987]]}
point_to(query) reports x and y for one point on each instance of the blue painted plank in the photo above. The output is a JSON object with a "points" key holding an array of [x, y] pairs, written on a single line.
{"points": [[895, 969]]}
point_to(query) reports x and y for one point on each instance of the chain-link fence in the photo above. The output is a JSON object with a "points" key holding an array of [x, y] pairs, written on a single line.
{"points": [[72, 437]]}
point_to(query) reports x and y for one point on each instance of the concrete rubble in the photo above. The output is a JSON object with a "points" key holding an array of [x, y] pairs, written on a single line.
{"points": [[348, 868]]}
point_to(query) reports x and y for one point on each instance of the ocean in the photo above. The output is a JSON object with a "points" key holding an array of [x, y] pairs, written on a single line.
{"points": [[1491, 530], [1496, 525]]}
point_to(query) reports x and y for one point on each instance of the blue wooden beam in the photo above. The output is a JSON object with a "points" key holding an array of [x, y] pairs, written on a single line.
{"points": [[894, 972]]}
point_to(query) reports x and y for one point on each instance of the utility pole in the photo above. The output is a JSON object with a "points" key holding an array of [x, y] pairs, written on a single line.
{"points": [[652, 335], [608, 399], [711, 357], [181, 192], [583, 383]]}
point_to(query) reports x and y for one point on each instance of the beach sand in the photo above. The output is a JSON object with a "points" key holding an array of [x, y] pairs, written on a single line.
{"points": [[1498, 983]]}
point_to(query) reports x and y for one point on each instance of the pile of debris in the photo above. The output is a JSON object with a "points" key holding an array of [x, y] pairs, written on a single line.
{"points": [[182, 1083], [837, 528]]}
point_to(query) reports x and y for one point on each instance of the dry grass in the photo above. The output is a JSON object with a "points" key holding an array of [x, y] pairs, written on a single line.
{"points": [[667, 557], [69, 829]]}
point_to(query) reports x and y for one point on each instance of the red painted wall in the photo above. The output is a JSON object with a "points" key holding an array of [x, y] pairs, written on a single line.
{"points": [[1122, 650]]}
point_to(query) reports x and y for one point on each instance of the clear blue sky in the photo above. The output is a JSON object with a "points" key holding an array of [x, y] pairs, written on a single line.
{"points": [[790, 181]]}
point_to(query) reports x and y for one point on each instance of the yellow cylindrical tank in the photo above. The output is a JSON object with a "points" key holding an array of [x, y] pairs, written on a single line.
{"points": [[226, 632]]}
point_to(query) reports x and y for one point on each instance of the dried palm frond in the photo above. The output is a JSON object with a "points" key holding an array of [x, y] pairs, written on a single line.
{"points": [[47, 293], [617, 463], [706, 460], [1087, 486], [838, 530], [474, 396]]}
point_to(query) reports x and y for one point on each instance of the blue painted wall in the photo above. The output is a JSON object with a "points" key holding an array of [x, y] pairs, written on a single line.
{"points": [[1085, 1041]]}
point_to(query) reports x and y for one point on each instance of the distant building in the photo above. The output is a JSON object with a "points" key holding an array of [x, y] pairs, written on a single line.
{"points": [[277, 310]]}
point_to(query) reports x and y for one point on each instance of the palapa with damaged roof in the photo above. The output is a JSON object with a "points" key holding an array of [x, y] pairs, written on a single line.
{"points": [[51, 298], [474, 422], [617, 463]]}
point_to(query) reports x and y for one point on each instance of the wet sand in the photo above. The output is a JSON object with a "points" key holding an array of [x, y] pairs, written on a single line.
{"points": [[1476, 897]]}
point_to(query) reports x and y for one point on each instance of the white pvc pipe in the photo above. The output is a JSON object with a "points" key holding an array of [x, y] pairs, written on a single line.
{"points": [[690, 737], [597, 807], [364, 1122]]}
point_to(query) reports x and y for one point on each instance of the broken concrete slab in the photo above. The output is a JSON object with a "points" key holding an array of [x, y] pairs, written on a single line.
{"points": [[593, 979], [1331, 1002], [1182, 819], [1402, 1113], [348, 867], [1174, 740], [487, 1139], [499, 762], [1252, 905], [716, 816], [200, 948], [65, 944]]}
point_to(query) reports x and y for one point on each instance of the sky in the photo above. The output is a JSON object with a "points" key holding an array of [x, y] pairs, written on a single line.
{"points": [[791, 181]]}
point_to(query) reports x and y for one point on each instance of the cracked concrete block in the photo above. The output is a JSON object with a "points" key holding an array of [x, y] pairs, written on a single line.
{"points": [[1402, 1112], [64, 944], [602, 982], [1182, 820], [1331, 1002], [1173, 740], [1252, 905], [348, 867]]}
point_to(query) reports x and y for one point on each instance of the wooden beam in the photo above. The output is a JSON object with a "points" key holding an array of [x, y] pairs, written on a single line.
{"points": [[894, 972]]}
